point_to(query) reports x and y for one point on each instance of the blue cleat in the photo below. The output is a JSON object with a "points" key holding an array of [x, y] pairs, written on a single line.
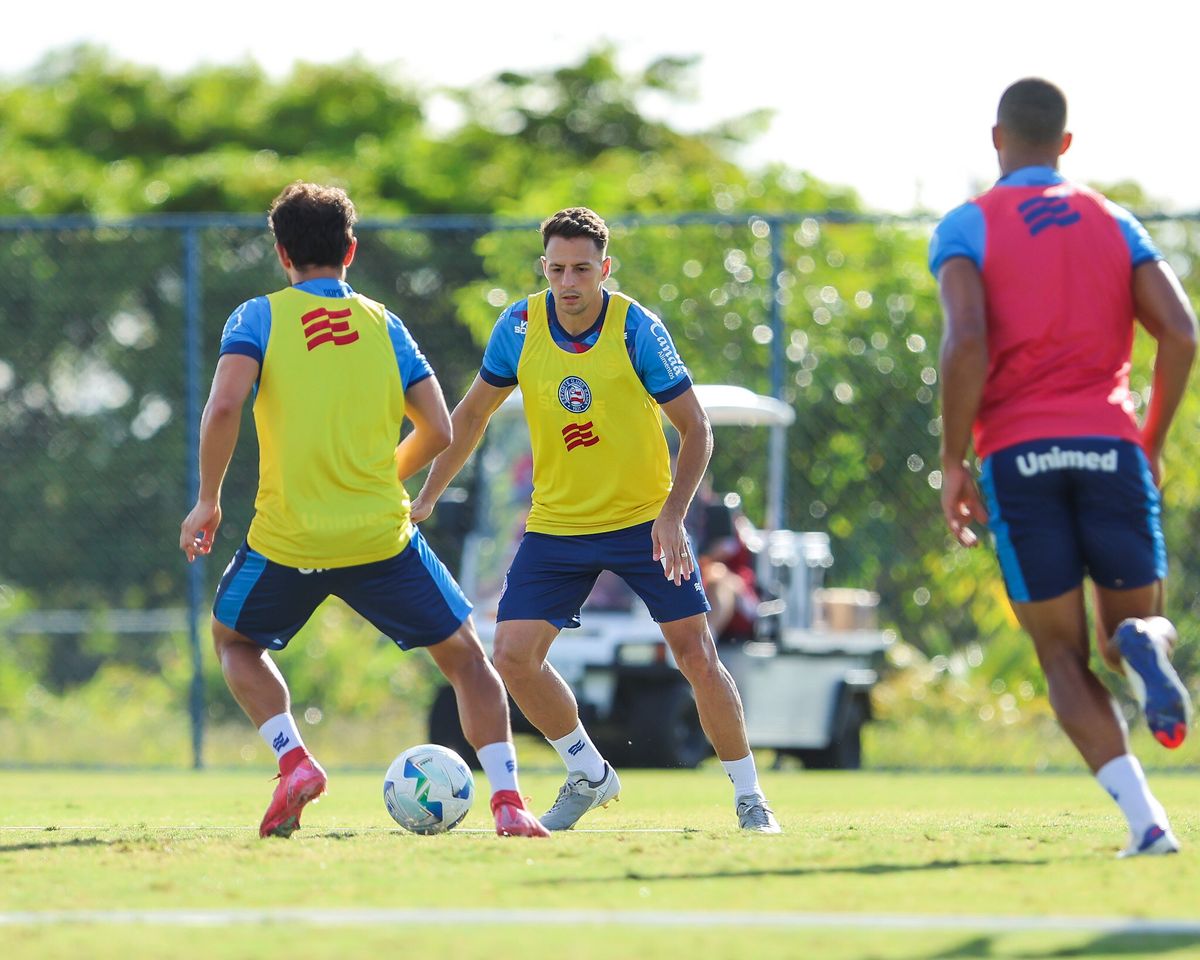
{"points": [[1154, 682]]}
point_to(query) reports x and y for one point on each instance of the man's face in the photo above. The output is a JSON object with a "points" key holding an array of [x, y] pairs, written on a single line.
{"points": [[575, 269]]}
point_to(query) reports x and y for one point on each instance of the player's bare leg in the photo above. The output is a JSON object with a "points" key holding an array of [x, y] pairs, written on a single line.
{"points": [[1090, 717], [251, 674], [544, 697], [1085, 709], [483, 713], [721, 716], [482, 704], [717, 698], [262, 693], [1110, 607], [546, 700]]}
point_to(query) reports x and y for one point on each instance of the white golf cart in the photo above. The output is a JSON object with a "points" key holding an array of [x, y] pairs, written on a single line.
{"points": [[804, 673]]}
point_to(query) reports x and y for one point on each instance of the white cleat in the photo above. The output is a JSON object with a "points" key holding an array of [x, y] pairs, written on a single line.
{"points": [[579, 795], [1156, 842], [754, 814]]}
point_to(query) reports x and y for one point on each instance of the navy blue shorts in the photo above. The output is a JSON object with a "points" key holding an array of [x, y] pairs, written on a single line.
{"points": [[551, 577], [1070, 507], [411, 597]]}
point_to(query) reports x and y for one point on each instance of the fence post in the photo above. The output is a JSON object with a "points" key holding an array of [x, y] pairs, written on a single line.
{"points": [[777, 451], [193, 363]]}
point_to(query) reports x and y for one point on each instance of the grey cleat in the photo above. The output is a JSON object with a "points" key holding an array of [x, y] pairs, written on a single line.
{"points": [[754, 814], [579, 795]]}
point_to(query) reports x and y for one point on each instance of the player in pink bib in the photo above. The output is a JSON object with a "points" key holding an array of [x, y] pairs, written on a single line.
{"points": [[1041, 281]]}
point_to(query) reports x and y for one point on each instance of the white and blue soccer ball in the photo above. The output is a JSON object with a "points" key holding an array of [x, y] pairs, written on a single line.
{"points": [[428, 789]]}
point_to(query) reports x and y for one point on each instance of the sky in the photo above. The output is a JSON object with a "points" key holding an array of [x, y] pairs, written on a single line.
{"points": [[894, 99]]}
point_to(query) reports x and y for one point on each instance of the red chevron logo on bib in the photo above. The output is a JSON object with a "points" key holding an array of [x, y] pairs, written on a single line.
{"points": [[579, 435], [325, 330]]}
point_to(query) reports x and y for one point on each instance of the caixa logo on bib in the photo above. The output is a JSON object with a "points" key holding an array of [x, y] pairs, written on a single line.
{"points": [[575, 394]]}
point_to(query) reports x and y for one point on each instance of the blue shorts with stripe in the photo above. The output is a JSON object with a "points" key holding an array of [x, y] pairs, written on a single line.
{"points": [[411, 597], [1064, 508], [551, 576]]}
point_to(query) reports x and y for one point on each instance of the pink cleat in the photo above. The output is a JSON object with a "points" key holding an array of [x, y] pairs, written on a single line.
{"points": [[305, 782], [512, 818]]}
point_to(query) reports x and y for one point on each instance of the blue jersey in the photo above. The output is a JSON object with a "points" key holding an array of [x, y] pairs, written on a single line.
{"points": [[249, 327], [651, 351]]}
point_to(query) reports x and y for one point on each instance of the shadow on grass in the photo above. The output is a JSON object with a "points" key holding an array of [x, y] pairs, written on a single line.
{"points": [[864, 870], [1116, 944], [55, 844]]}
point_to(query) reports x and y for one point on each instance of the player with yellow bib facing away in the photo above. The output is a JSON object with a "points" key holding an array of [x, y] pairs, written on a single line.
{"points": [[334, 375], [594, 368]]}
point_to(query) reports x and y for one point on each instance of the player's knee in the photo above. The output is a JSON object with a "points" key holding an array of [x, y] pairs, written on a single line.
{"points": [[698, 661], [222, 636], [515, 660]]}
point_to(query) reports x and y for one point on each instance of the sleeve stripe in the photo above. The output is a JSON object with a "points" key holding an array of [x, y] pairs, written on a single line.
{"points": [[495, 379], [243, 348], [678, 389]]}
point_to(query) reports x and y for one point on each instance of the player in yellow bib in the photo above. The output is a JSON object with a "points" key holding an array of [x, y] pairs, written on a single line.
{"points": [[595, 368], [334, 375]]}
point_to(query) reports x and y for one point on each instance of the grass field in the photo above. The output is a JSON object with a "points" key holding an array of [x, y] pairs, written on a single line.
{"points": [[113, 864]]}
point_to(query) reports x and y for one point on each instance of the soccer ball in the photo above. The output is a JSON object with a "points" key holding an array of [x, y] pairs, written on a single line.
{"points": [[428, 789]]}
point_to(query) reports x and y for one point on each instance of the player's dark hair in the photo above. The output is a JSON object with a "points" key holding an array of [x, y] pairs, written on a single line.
{"points": [[1034, 111], [314, 224], [576, 222]]}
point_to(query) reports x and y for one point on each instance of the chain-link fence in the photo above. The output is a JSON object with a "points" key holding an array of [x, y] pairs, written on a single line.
{"points": [[109, 333]]}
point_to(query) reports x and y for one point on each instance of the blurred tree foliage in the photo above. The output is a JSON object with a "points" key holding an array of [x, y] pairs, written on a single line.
{"points": [[92, 379]]}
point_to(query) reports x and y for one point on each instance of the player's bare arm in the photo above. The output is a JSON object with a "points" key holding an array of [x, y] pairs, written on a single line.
{"points": [[964, 365], [1164, 310], [468, 422], [219, 426], [425, 406], [695, 449]]}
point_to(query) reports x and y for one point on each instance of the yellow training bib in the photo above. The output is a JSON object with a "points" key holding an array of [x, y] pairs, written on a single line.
{"points": [[600, 458], [328, 412]]}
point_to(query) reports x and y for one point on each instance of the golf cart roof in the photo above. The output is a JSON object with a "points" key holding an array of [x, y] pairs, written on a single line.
{"points": [[725, 404]]}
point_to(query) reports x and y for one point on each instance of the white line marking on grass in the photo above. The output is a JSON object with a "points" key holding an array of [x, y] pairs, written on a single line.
{"points": [[628, 918]]}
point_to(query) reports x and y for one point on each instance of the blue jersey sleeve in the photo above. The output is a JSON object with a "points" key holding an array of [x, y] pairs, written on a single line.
{"points": [[413, 366], [248, 329], [503, 351], [962, 233], [655, 359], [1141, 247]]}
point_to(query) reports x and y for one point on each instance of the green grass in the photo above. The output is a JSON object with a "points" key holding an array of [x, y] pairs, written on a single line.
{"points": [[933, 845]]}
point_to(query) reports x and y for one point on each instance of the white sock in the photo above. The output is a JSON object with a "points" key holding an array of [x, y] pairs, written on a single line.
{"points": [[499, 762], [281, 734], [744, 775], [579, 753], [1126, 783]]}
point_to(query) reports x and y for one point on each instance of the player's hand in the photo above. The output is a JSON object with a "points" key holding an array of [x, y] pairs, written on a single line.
{"points": [[420, 508], [961, 503], [671, 549], [199, 528]]}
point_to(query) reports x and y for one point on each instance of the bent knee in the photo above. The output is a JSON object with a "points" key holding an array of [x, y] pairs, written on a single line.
{"points": [[515, 659], [699, 661], [223, 636]]}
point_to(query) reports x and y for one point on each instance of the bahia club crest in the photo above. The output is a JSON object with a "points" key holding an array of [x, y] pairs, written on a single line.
{"points": [[574, 394]]}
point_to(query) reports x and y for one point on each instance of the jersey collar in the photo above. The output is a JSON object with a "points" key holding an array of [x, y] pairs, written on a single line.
{"points": [[558, 327], [326, 287], [1031, 177]]}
